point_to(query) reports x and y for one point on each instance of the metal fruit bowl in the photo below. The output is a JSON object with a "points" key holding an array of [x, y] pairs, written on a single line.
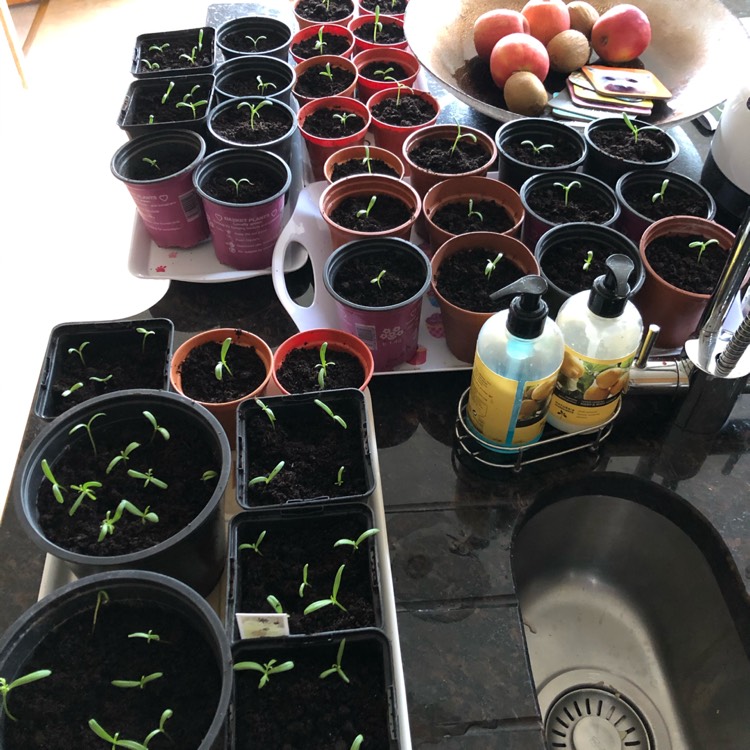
{"points": [[698, 49]]}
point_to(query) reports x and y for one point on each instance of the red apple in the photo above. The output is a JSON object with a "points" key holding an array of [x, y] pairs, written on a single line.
{"points": [[547, 18], [516, 52], [621, 34], [493, 25]]}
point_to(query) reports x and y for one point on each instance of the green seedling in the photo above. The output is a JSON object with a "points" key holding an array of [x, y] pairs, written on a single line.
{"points": [[322, 368], [459, 136], [150, 119], [102, 597], [256, 40], [702, 247], [342, 117], [97, 379], [325, 4], [377, 26], [254, 109], [335, 668], [320, 44], [275, 604], [187, 102], [79, 351], [97, 729], [263, 85], [6, 687], [587, 263], [123, 456], [634, 129], [660, 195], [266, 670], [85, 492], [107, 526], [339, 477], [87, 426], [57, 488], [333, 599], [267, 480], [357, 742], [163, 431], [536, 149], [200, 40], [158, 47], [383, 72], [151, 65], [208, 475], [237, 184], [399, 87], [73, 388], [149, 636], [378, 279], [145, 333], [355, 543], [145, 679], [305, 584], [329, 412], [222, 365], [191, 57], [268, 412], [255, 546], [366, 211], [566, 188], [367, 161], [472, 212], [492, 265], [166, 94], [148, 478], [152, 163], [327, 72]]}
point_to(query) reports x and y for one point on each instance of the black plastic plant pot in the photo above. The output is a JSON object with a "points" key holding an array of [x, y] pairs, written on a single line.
{"points": [[174, 53], [291, 539], [519, 162], [144, 109], [83, 628], [103, 357], [254, 35], [238, 77], [574, 240], [299, 708], [83, 450], [313, 446]]}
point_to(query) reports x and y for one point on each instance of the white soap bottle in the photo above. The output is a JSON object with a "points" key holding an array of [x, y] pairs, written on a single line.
{"points": [[519, 352], [602, 331]]}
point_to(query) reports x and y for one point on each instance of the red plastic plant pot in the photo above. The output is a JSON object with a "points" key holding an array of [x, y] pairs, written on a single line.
{"points": [[367, 86], [311, 32], [362, 44], [335, 62]]}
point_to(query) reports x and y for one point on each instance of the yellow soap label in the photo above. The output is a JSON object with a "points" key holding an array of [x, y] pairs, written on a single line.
{"points": [[588, 390], [507, 411]]}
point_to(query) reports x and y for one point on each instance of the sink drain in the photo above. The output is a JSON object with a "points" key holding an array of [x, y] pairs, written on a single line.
{"points": [[588, 718]]}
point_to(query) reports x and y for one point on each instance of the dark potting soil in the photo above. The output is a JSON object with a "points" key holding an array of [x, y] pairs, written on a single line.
{"points": [[455, 218], [651, 146], [180, 462], [391, 33], [245, 374], [298, 373], [333, 44], [387, 7], [169, 160], [315, 82], [270, 124], [355, 166], [170, 57], [147, 102], [298, 709], [436, 156], [54, 712], [324, 123], [313, 447], [377, 71], [246, 84], [562, 152], [676, 202], [262, 41], [403, 278], [130, 362], [411, 110], [285, 549], [263, 185], [386, 213], [563, 265], [462, 279], [678, 264], [315, 10], [583, 205]]}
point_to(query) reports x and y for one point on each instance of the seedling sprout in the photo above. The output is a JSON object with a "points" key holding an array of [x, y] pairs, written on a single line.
{"points": [[263, 85], [57, 488], [148, 478], [6, 687], [254, 109], [459, 136], [222, 365], [333, 599], [327, 409], [255, 546], [166, 94], [79, 351], [267, 411], [200, 40], [145, 679], [357, 742], [154, 164], [366, 211], [566, 188], [123, 456], [355, 543], [377, 25], [145, 332], [275, 604], [305, 584], [634, 129], [472, 212], [151, 65], [87, 427], [73, 388], [208, 475], [157, 429], [97, 729], [536, 148], [187, 101], [367, 160], [340, 477], [148, 636], [266, 670], [85, 492], [320, 43], [256, 40], [322, 368], [399, 87], [660, 195], [378, 279], [492, 265], [96, 379], [335, 668], [158, 47], [383, 73], [107, 526], [267, 480], [587, 262], [702, 247], [237, 185], [102, 597], [327, 72], [191, 57], [342, 117]]}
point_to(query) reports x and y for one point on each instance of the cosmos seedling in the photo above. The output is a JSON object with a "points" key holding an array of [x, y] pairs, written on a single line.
{"points": [[275, 604], [6, 687], [536, 149], [357, 742], [151, 65], [148, 478], [254, 109], [263, 85], [163, 431], [97, 729], [122, 457], [367, 160], [140, 684], [87, 426], [107, 526], [57, 488], [322, 368], [472, 212], [158, 47], [200, 40], [256, 40], [237, 184], [187, 101], [73, 388], [459, 136], [327, 72], [191, 57], [85, 492], [305, 584], [634, 129], [342, 117], [399, 87], [166, 94], [208, 475], [150, 119], [266, 670], [145, 332], [377, 25], [325, 4], [492, 265], [102, 597], [378, 279], [355, 543], [566, 188], [149, 636], [222, 365], [327, 409], [96, 379], [660, 195], [366, 211], [79, 351], [267, 411], [702, 247], [255, 546], [340, 476], [152, 163], [383, 73], [333, 599], [268, 479], [587, 262], [335, 668], [320, 44]]}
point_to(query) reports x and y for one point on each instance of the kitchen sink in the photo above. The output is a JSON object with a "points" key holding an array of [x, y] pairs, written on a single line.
{"points": [[632, 628]]}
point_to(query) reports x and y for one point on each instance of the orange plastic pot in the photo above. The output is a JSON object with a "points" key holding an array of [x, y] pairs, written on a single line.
{"points": [[360, 153], [310, 32], [336, 62], [362, 44], [367, 86]]}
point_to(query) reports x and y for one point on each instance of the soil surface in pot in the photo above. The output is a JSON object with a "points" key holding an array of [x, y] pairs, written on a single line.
{"points": [[263, 186], [677, 263], [315, 82], [333, 44], [391, 33], [284, 551], [313, 447], [456, 219], [355, 166], [326, 123], [583, 205], [562, 152], [170, 57], [676, 202], [389, 7], [146, 102], [243, 374], [403, 278], [462, 279], [270, 124], [439, 156], [169, 160], [563, 264], [377, 71], [386, 213], [298, 705], [314, 10], [84, 659], [411, 110], [179, 462], [299, 370], [246, 84], [651, 146], [261, 41]]}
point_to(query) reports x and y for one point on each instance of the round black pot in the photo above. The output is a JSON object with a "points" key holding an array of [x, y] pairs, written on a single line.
{"points": [[540, 131], [581, 233], [278, 34], [243, 71], [196, 554]]}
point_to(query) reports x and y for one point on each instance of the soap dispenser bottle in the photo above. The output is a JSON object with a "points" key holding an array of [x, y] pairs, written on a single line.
{"points": [[602, 331], [519, 352]]}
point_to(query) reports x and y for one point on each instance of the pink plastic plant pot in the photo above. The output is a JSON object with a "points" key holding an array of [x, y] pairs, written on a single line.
{"points": [[335, 62], [310, 32], [366, 86], [362, 44]]}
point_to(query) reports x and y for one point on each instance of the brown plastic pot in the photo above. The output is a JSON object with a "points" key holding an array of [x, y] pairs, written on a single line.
{"points": [[462, 326], [335, 61], [360, 152], [367, 185], [366, 87], [305, 22], [310, 32], [362, 44], [677, 312], [461, 189]]}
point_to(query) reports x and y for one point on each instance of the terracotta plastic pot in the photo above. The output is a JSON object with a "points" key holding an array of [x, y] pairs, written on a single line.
{"points": [[360, 153], [362, 44], [319, 149], [338, 341], [244, 235], [462, 326], [461, 189], [367, 185], [168, 205], [336, 62], [677, 312], [278, 36], [238, 78], [305, 22], [367, 86], [311, 32], [391, 332], [224, 411]]}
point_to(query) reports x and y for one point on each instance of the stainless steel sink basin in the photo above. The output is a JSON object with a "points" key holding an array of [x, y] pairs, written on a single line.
{"points": [[631, 642]]}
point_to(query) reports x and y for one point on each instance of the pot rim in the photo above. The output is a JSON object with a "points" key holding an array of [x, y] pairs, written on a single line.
{"points": [[243, 21], [246, 146]]}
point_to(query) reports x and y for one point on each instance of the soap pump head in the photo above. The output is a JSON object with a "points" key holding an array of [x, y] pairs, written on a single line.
{"points": [[528, 311], [610, 293]]}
